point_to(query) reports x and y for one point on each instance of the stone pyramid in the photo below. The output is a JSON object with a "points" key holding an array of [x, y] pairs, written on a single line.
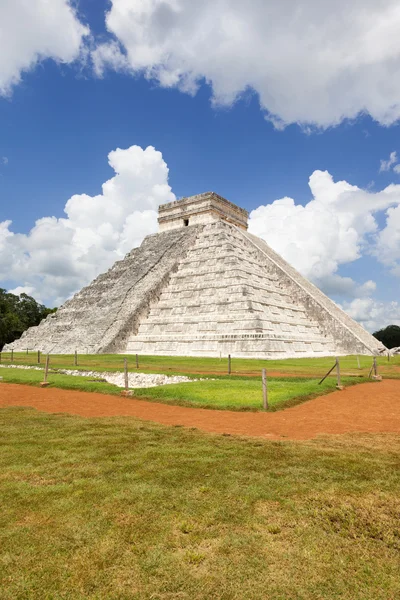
{"points": [[201, 286]]}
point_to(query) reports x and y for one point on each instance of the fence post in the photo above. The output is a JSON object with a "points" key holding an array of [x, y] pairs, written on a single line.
{"points": [[229, 364], [137, 361], [27, 350], [38, 357], [126, 375], [76, 358], [339, 383], [265, 388], [46, 370], [12, 356], [126, 392], [375, 369]]}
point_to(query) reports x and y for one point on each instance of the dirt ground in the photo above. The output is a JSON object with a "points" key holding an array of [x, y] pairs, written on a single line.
{"points": [[367, 408]]}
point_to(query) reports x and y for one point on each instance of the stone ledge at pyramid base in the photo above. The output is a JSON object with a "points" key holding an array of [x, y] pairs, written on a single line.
{"points": [[204, 289], [240, 346]]}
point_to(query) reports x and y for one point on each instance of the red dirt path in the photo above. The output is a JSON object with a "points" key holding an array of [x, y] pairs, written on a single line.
{"points": [[368, 408]]}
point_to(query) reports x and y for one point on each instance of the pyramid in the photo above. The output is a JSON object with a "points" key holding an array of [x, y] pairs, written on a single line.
{"points": [[202, 286]]}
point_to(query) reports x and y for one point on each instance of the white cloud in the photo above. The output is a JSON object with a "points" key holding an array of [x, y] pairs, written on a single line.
{"points": [[373, 314], [109, 55], [311, 62], [387, 247], [21, 289], [336, 227], [32, 31], [386, 165], [396, 169], [4, 160], [59, 256]]}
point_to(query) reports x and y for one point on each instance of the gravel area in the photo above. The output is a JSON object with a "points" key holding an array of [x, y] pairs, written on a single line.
{"points": [[136, 380]]}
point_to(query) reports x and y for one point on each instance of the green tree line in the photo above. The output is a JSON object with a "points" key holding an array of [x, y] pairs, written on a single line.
{"points": [[18, 313], [389, 336]]}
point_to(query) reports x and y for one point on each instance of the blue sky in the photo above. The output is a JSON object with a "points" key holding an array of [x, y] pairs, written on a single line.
{"points": [[61, 116]]}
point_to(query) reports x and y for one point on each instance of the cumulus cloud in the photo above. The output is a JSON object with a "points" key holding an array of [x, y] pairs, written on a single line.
{"points": [[373, 314], [33, 31], [4, 160], [334, 228], [386, 165], [387, 247], [59, 256], [311, 63]]}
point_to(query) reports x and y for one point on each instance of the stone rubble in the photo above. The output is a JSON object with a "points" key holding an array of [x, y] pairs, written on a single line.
{"points": [[136, 380]]}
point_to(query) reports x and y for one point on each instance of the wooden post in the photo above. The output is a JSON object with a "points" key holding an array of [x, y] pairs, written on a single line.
{"points": [[12, 356], [45, 383], [358, 362], [229, 364], [46, 367], [38, 357], [265, 388], [137, 361], [76, 358], [328, 373], [126, 391], [375, 369], [126, 374], [339, 383], [27, 351]]}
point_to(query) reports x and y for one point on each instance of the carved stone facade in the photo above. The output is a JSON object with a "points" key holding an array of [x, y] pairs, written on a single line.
{"points": [[201, 287], [200, 210]]}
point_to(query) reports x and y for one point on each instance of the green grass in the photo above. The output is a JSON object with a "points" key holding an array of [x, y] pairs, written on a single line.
{"points": [[237, 393], [66, 382], [95, 509], [242, 394], [316, 367]]}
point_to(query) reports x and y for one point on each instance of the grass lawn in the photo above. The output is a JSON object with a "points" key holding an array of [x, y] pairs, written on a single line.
{"points": [[183, 365], [95, 509], [228, 393], [242, 394], [68, 382]]}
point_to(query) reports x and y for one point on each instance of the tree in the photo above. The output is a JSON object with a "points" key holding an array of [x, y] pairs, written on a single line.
{"points": [[389, 336], [18, 313]]}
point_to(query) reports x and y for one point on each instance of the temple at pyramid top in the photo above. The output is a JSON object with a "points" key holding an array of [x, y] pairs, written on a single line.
{"points": [[200, 210]]}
